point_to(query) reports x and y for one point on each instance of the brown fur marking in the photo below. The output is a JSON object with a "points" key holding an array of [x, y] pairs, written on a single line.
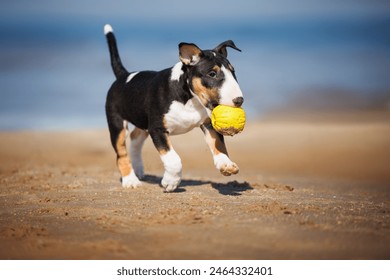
{"points": [[218, 145], [205, 94], [188, 52], [213, 140], [163, 151], [123, 160], [216, 68]]}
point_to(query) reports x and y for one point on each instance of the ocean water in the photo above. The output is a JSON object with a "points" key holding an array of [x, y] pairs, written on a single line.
{"points": [[55, 72]]}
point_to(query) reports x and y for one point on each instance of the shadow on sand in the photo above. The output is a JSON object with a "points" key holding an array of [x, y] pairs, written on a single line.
{"points": [[230, 188]]}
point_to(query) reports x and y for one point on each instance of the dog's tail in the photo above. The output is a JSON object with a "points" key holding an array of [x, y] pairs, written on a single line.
{"points": [[116, 62]]}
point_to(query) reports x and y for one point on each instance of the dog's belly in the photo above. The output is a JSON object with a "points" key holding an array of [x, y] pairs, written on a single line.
{"points": [[182, 118]]}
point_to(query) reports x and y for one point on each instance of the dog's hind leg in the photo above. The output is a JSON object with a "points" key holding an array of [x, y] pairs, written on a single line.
{"points": [[119, 133], [138, 137]]}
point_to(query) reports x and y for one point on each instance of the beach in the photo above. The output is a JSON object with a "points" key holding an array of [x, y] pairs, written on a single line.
{"points": [[305, 190]]}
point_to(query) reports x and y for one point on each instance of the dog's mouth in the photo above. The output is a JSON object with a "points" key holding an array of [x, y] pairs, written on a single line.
{"points": [[211, 105]]}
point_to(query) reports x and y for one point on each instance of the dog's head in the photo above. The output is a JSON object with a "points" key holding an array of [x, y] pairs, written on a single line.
{"points": [[211, 77]]}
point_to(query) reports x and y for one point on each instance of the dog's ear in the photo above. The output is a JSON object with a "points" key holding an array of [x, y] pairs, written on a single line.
{"points": [[221, 48], [189, 53]]}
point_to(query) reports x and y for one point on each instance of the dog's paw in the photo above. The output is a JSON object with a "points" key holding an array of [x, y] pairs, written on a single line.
{"points": [[228, 170], [172, 175], [170, 182], [225, 165], [131, 181]]}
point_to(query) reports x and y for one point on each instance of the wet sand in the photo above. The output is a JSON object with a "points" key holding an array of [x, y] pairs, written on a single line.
{"points": [[305, 191]]}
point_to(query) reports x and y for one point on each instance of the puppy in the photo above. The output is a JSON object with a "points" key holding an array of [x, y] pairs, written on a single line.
{"points": [[169, 102]]}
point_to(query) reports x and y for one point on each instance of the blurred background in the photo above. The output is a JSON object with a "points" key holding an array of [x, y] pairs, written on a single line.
{"points": [[301, 59]]}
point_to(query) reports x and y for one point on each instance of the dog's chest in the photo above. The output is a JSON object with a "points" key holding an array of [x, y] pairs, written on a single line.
{"points": [[182, 118]]}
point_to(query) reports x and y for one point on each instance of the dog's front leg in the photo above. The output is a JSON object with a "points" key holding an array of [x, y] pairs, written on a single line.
{"points": [[218, 149], [171, 160]]}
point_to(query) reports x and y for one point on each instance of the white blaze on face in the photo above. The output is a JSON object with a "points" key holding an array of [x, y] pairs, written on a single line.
{"points": [[230, 88]]}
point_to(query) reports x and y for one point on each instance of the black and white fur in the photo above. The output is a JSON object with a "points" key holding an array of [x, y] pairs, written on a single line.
{"points": [[169, 102]]}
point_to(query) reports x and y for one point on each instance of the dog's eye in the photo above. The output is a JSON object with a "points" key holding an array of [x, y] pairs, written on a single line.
{"points": [[212, 74]]}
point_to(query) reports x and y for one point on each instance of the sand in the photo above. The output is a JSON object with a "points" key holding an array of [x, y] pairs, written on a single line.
{"points": [[304, 191]]}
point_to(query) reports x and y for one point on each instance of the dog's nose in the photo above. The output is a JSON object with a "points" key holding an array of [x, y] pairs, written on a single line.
{"points": [[238, 101]]}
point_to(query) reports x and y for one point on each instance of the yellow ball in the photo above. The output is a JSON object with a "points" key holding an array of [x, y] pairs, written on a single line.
{"points": [[228, 120]]}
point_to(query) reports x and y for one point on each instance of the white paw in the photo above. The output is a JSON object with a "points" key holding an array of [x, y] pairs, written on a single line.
{"points": [[225, 165], [172, 175], [131, 181], [169, 182]]}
